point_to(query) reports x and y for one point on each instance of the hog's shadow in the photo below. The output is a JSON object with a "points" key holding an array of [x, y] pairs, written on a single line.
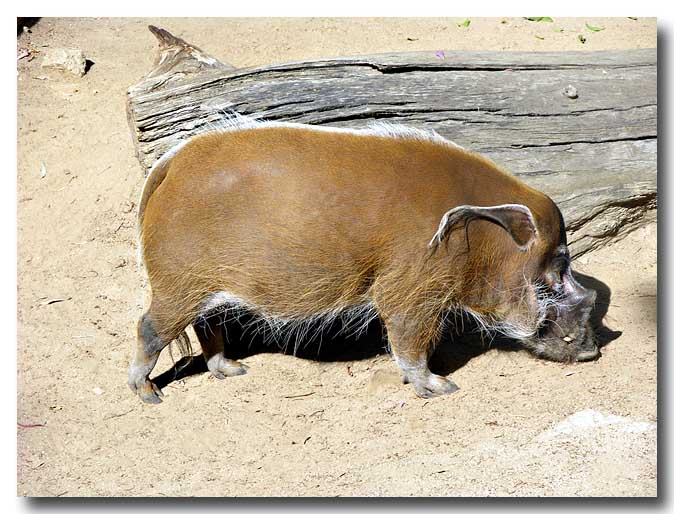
{"points": [[334, 344]]}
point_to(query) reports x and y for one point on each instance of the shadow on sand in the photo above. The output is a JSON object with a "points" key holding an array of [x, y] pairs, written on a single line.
{"points": [[332, 345]]}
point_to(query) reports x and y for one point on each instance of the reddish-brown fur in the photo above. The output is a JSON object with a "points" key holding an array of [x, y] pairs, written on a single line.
{"points": [[296, 222]]}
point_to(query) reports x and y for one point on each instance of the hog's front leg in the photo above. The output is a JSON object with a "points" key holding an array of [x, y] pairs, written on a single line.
{"points": [[411, 342]]}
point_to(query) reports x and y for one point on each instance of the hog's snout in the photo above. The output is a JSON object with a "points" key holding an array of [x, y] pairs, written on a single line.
{"points": [[566, 333], [588, 355], [577, 295], [587, 348]]}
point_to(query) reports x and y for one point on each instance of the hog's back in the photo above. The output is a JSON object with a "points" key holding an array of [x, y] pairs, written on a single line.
{"points": [[280, 213]]}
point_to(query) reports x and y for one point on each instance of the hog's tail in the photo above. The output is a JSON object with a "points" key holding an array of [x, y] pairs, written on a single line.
{"points": [[182, 342]]}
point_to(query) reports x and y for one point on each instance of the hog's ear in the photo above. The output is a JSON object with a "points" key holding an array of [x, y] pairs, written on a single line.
{"points": [[516, 219]]}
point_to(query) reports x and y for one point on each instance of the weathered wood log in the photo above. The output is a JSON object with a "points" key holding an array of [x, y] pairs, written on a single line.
{"points": [[595, 155]]}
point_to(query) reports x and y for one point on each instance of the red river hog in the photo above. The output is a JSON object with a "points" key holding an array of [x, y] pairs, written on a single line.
{"points": [[296, 222]]}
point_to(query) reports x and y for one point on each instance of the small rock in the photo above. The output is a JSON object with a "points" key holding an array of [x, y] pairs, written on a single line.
{"points": [[97, 390], [570, 92], [22, 52], [128, 206], [65, 59]]}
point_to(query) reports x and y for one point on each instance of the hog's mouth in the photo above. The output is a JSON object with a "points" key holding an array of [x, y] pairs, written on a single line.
{"points": [[578, 344]]}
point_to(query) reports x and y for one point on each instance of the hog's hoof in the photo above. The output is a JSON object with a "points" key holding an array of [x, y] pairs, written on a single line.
{"points": [[434, 385], [221, 367], [147, 391], [155, 396]]}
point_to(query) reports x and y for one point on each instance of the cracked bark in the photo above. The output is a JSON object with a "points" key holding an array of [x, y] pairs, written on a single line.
{"points": [[595, 155]]}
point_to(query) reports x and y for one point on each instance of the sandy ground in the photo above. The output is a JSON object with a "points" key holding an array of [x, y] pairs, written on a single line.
{"points": [[342, 424]]}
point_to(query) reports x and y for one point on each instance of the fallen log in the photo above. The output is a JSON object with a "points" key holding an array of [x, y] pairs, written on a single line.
{"points": [[591, 147]]}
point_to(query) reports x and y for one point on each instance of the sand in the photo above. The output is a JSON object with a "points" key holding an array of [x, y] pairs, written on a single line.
{"points": [[294, 426]]}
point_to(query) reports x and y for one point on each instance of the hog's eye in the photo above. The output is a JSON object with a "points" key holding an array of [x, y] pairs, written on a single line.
{"points": [[555, 272], [560, 264]]}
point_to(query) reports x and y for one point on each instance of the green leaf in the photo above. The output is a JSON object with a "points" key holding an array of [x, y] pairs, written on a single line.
{"points": [[594, 29], [464, 24], [557, 29], [539, 18], [581, 38], [538, 37]]}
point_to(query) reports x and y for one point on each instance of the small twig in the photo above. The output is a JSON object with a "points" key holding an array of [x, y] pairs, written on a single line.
{"points": [[31, 425], [119, 415], [55, 300], [93, 272], [73, 177], [300, 395]]}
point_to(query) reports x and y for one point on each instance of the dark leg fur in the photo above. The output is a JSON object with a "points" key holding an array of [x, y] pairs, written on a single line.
{"points": [[213, 348], [410, 345], [147, 353]]}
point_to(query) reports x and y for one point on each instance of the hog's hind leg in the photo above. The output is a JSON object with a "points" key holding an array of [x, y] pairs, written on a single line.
{"points": [[213, 348], [411, 341], [150, 344]]}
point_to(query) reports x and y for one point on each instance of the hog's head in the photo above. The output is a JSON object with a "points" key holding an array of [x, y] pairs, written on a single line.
{"points": [[524, 290]]}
